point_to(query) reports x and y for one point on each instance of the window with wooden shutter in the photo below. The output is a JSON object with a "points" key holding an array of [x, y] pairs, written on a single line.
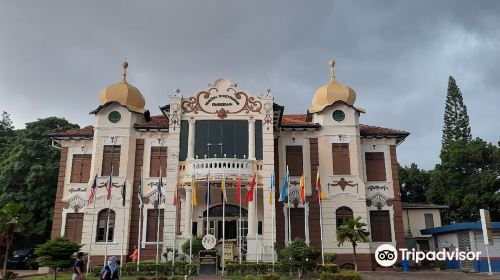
{"points": [[73, 228], [294, 160], [152, 225], [429, 220], [375, 166], [158, 162], [80, 168], [380, 226], [341, 161], [111, 160]]}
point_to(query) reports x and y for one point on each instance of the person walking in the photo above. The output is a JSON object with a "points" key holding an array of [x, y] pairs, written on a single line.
{"points": [[110, 271], [78, 267], [135, 255]]}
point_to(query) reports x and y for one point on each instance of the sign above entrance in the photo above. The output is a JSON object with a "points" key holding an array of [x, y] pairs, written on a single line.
{"points": [[209, 241], [222, 98]]}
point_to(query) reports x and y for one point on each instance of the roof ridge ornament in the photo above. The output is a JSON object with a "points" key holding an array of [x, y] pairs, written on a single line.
{"points": [[332, 73], [124, 72]]}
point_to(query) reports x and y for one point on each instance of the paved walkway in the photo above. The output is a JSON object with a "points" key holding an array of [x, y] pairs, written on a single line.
{"points": [[427, 275]]}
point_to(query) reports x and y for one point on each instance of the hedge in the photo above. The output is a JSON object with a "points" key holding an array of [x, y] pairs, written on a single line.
{"points": [[343, 275], [149, 268]]}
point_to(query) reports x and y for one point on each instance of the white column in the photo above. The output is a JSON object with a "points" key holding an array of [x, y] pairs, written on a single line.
{"points": [[251, 139], [188, 212], [190, 153]]}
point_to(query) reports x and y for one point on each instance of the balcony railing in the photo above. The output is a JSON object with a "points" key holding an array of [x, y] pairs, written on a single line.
{"points": [[221, 166]]}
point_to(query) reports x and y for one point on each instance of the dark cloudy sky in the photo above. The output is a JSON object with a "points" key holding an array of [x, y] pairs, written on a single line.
{"points": [[56, 56]]}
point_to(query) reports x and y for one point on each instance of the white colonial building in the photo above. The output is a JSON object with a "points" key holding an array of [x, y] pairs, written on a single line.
{"points": [[218, 132]]}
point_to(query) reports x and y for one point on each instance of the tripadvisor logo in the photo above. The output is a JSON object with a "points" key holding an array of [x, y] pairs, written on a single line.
{"points": [[386, 255]]}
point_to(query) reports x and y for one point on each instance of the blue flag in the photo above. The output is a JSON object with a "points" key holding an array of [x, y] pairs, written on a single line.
{"points": [[284, 186]]}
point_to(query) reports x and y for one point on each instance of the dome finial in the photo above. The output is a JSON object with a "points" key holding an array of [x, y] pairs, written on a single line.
{"points": [[124, 71], [332, 74]]}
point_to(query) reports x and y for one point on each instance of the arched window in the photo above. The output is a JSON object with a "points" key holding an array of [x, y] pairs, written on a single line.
{"points": [[231, 211], [343, 214], [102, 220]]}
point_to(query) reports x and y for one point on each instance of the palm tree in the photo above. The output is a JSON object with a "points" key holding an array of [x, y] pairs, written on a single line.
{"points": [[352, 231], [12, 221]]}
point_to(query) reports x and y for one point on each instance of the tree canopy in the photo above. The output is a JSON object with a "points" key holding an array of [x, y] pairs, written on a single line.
{"points": [[28, 173]]}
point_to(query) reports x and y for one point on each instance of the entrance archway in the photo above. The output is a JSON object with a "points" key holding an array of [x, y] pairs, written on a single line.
{"points": [[232, 215]]}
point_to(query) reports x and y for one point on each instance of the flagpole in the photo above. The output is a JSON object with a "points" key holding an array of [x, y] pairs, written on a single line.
{"points": [[257, 221], [321, 229], [92, 226], [107, 221], [207, 200], [288, 206], [139, 243], [273, 238], [239, 221], [123, 226], [190, 233], [224, 222], [175, 231], [158, 221]]}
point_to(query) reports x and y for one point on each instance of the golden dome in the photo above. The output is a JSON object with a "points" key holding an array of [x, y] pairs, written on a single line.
{"points": [[331, 93], [124, 93]]}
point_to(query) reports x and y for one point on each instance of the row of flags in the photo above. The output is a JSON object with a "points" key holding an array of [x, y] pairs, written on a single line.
{"points": [[320, 195]]}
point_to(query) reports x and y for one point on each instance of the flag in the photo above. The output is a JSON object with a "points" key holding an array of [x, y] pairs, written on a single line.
{"points": [[158, 191], [238, 190], [207, 194], [223, 188], [109, 186], [92, 190], [194, 198], [124, 193], [284, 186], [176, 198], [302, 186], [140, 195], [249, 195], [271, 189], [319, 191]]}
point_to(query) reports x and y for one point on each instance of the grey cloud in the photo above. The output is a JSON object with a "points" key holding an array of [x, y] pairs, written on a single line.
{"points": [[55, 56]]}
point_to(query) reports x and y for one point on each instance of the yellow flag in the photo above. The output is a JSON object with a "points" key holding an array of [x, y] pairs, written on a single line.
{"points": [[194, 199]]}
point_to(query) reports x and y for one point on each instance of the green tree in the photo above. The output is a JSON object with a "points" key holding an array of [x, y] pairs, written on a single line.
{"points": [[353, 231], [28, 173], [467, 180], [456, 120], [298, 255], [414, 183], [6, 130], [56, 253], [12, 221], [196, 245]]}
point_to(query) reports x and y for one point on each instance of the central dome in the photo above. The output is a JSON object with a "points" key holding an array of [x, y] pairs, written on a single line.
{"points": [[331, 93], [124, 93]]}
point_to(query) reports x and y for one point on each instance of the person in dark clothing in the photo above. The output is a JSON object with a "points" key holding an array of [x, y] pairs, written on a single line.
{"points": [[110, 271], [78, 268]]}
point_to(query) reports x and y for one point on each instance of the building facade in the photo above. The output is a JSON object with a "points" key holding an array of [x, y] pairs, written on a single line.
{"points": [[219, 133]]}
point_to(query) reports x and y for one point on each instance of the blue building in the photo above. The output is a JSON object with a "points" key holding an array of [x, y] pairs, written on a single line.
{"points": [[468, 237]]}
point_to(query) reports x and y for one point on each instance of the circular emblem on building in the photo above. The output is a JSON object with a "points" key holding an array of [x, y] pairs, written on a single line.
{"points": [[209, 241], [114, 117], [338, 115], [386, 255]]}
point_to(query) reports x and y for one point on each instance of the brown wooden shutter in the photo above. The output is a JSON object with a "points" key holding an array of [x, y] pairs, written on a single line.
{"points": [[375, 166], [158, 162], [341, 160], [380, 226], [73, 228], [111, 158], [80, 168], [152, 225], [294, 160]]}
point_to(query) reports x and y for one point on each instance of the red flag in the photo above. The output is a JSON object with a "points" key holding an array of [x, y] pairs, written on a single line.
{"points": [[302, 189], [249, 195], [176, 197], [238, 190]]}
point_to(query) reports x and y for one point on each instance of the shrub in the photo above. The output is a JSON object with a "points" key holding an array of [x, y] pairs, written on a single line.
{"points": [[299, 257], [197, 246], [271, 276], [176, 277], [332, 268], [343, 275], [330, 257], [192, 269]]}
